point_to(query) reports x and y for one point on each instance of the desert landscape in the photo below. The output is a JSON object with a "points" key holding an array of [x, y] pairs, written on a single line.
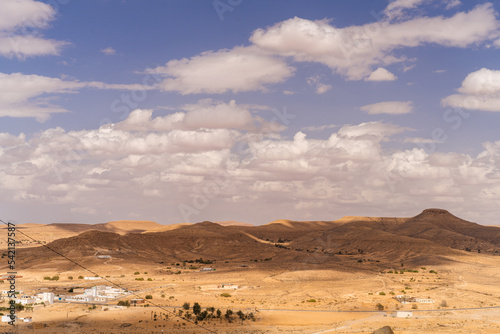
{"points": [[433, 272]]}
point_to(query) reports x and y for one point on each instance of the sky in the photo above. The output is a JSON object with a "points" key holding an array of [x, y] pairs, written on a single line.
{"points": [[185, 111]]}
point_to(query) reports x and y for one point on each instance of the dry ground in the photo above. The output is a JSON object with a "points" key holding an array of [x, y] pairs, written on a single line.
{"points": [[281, 299]]}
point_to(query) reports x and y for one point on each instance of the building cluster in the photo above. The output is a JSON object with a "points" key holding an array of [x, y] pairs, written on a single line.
{"points": [[98, 293], [23, 299], [405, 299]]}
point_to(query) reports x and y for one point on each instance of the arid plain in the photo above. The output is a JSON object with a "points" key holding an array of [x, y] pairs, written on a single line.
{"points": [[340, 276]]}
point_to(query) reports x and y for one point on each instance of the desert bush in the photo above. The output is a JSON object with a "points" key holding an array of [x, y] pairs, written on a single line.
{"points": [[139, 278], [186, 306], [70, 277], [312, 300], [444, 303], [150, 279], [382, 293], [225, 294], [80, 277], [380, 307], [414, 306], [137, 273], [196, 309], [148, 297]]}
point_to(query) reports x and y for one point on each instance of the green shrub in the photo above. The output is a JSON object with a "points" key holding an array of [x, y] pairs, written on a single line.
{"points": [[137, 273], [382, 293], [312, 300], [225, 294], [149, 297]]}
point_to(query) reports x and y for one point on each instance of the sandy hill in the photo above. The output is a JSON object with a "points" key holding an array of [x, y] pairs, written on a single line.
{"points": [[430, 237], [45, 233], [442, 227], [232, 223]]}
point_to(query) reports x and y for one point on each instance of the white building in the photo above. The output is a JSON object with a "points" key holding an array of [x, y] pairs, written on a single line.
{"points": [[424, 300], [207, 269], [403, 314], [47, 297], [6, 318], [25, 301], [92, 278]]}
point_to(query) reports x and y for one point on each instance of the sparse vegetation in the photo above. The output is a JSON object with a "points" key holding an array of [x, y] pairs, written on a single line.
{"points": [[380, 307], [225, 294], [312, 300], [124, 303], [148, 297]]}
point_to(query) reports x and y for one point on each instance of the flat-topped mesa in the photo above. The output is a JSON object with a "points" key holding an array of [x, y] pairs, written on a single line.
{"points": [[436, 211]]}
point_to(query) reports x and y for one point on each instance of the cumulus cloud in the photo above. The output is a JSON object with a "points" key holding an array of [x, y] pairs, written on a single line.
{"points": [[353, 51], [238, 70], [92, 172], [381, 74], [206, 114], [480, 90], [389, 107], [16, 17], [32, 95]]}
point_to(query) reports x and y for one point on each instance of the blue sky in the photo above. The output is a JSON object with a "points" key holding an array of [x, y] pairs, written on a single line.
{"points": [[248, 110]]}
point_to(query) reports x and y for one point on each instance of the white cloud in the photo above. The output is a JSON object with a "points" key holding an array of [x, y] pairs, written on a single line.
{"points": [[452, 4], [15, 18], [32, 95], [91, 172], [288, 92], [389, 107], [109, 51], [320, 87], [320, 128], [396, 7], [239, 69], [381, 74], [355, 50], [480, 90], [206, 114]]}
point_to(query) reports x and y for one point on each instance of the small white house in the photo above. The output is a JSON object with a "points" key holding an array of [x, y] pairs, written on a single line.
{"points": [[25, 301], [424, 300], [27, 319], [6, 318], [92, 278], [403, 314]]}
